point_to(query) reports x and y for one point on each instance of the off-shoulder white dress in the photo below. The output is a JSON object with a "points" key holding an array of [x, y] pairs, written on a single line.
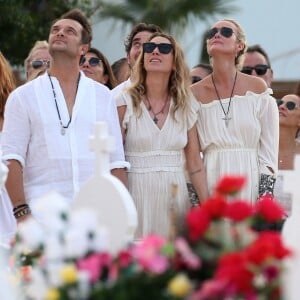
{"points": [[156, 157], [248, 146]]}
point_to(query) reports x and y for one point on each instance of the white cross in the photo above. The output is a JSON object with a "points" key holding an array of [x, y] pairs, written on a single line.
{"points": [[102, 144]]}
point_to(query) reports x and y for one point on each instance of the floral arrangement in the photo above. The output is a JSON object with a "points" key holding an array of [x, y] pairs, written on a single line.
{"points": [[220, 255]]}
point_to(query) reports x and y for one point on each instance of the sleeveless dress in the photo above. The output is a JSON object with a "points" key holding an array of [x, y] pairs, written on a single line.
{"points": [[157, 164], [247, 147]]}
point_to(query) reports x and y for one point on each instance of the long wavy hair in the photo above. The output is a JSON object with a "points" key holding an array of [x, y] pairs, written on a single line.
{"points": [[7, 83], [179, 81]]}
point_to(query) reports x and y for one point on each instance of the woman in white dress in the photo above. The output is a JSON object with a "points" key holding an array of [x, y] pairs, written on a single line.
{"points": [[158, 116], [289, 128], [238, 118], [7, 219]]}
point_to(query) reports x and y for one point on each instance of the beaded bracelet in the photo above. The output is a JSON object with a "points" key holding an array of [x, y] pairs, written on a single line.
{"points": [[20, 206], [22, 212]]}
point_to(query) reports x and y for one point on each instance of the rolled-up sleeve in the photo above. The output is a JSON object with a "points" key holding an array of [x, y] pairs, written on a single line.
{"points": [[16, 128]]}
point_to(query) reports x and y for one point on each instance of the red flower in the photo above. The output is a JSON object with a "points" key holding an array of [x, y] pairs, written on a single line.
{"points": [[197, 221], [233, 267], [215, 207], [238, 210], [124, 258], [269, 209], [229, 185]]}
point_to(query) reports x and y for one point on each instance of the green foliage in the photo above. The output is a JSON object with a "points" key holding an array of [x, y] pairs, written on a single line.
{"points": [[23, 22]]}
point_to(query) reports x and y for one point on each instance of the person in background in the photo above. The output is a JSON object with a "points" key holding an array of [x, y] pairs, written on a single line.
{"points": [[48, 121], [238, 118], [7, 220], [96, 66], [289, 128], [158, 120], [257, 63], [38, 60], [139, 34], [200, 71], [121, 69]]}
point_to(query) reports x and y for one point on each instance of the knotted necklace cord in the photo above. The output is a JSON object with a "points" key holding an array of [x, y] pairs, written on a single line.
{"points": [[155, 119], [63, 127], [219, 98]]}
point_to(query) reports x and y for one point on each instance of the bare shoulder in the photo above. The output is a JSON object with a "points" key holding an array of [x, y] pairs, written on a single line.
{"points": [[203, 91], [253, 84]]}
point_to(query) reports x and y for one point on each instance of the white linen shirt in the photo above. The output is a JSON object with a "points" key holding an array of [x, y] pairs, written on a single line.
{"points": [[32, 135]]}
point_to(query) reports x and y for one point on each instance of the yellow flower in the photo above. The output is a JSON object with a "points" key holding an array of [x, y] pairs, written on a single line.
{"points": [[179, 286], [68, 274], [52, 294]]}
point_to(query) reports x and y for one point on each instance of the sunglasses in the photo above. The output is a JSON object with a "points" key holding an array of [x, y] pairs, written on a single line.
{"points": [[163, 48], [93, 61], [290, 105], [224, 31], [195, 79], [259, 70], [36, 64]]}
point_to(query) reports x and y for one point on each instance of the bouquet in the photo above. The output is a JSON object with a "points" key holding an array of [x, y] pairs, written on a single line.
{"points": [[220, 255]]}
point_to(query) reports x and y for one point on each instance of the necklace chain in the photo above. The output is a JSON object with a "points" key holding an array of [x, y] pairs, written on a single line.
{"points": [[155, 119], [226, 119], [62, 126]]}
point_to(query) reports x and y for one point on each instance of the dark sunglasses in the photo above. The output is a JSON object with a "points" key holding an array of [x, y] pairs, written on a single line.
{"points": [[290, 105], [195, 79], [36, 64], [93, 61], [259, 69], [163, 48], [224, 31]]}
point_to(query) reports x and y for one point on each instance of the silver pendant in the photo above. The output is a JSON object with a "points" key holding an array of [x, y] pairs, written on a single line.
{"points": [[226, 119], [62, 131]]}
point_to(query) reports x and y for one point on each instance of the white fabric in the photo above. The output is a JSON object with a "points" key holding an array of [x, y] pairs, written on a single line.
{"points": [[120, 88], [248, 146], [157, 161], [31, 134], [284, 198], [8, 224]]}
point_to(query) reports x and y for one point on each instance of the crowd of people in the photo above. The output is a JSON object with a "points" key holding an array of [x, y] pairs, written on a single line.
{"points": [[175, 128]]}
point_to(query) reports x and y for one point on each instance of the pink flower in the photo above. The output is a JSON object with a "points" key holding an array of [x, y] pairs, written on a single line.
{"points": [[148, 254]]}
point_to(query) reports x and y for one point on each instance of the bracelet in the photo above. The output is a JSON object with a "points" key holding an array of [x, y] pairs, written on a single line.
{"points": [[22, 212], [20, 206]]}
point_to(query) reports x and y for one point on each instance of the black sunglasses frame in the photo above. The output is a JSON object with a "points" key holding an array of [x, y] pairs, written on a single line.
{"points": [[195, 79], [260, 70], [163, 48], [290, 105], [226, 32], [36, 64], [93, 61]]}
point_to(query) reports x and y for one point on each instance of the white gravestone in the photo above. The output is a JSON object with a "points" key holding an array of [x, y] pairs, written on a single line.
{"points": [[291, 234], [107, 195]]}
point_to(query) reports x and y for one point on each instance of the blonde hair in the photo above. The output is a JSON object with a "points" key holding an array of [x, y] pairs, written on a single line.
{"points": [[179, 81], [7, 83], [37, 46]]}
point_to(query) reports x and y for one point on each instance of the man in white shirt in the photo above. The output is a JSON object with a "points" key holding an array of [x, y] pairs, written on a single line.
{"points": [[48, 122]]}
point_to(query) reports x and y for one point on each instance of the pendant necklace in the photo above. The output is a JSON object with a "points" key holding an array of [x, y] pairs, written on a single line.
{"points": [[62, 126], [226, 118], [155, 119]]}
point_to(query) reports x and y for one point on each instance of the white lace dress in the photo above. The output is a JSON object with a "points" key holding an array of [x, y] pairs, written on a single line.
{"points": [[157, 162], [248, 146]]}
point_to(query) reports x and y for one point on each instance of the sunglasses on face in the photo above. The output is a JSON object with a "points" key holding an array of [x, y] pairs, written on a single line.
{"points": [[259, 69], [290, 105], [163, 48], [36, 64], [224, 31], [93, 61], [195, 79]]}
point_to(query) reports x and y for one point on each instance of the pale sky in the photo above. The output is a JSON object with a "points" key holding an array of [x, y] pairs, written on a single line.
{"points": [[274, 24]]}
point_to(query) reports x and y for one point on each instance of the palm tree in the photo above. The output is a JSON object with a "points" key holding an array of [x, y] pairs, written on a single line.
{"points": [[171, 15]]}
